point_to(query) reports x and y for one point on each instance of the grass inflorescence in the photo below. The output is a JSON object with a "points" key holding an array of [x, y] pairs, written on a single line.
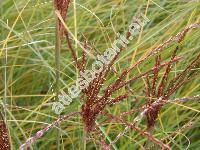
{"points": [[146, 97]]}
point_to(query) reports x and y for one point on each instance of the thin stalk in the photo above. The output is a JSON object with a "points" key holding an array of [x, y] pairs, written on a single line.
{"points": [[57, 69]]}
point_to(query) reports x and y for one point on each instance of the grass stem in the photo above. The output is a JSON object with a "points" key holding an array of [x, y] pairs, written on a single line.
{"points": [[57, 70]]}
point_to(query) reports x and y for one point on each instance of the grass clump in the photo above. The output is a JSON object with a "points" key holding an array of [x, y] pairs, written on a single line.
{"points": [[146, 98]]}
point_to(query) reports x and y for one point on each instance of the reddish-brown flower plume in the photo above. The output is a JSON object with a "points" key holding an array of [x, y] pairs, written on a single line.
{"points": [[62, 7], [4, 138]]}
